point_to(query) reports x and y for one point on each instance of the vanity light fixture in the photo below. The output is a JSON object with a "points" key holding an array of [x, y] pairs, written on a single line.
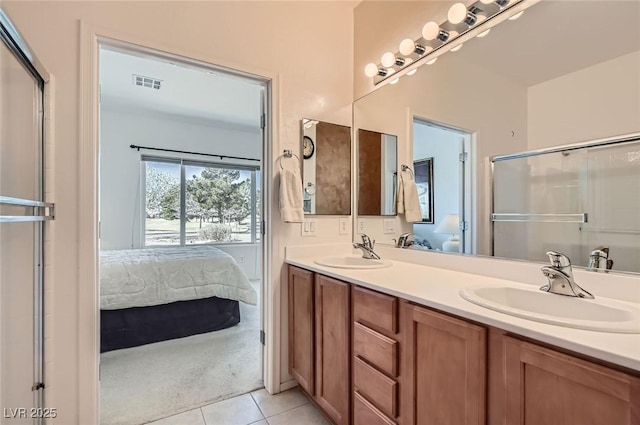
{"points": [[461, 18], [408, 47], [389, 59], [371, 70], [458, 14], [432, 31]]}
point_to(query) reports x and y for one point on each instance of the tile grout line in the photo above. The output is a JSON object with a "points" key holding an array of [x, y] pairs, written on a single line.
{"points": [[204, 420]]}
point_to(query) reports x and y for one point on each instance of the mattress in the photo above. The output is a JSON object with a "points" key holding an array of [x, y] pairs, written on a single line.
{"points": [[154, 276]]}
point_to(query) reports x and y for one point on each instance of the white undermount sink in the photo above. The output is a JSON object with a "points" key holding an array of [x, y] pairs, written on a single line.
{"points": [[351, 262], [600, 314]]}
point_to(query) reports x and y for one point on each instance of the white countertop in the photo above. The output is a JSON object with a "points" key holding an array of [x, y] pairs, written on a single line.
{"points": [[439, 288]]}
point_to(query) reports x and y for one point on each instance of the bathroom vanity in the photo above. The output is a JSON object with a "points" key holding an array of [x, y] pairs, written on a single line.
{"points": [[398, 345]]}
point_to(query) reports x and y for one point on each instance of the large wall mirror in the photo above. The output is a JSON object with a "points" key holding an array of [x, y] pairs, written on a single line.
{"points": [[542, 83], [377, 173], [326, 168]]}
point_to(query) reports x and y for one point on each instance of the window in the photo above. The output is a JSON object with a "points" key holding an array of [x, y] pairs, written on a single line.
{"points": [[191, 203]]}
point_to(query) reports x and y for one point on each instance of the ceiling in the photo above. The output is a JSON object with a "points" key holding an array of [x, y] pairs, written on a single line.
{"points": [[185, 91], [554, 38]]}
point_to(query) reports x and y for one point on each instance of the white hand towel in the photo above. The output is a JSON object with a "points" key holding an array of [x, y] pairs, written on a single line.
{"points": [[291, 209], [408, 202]]}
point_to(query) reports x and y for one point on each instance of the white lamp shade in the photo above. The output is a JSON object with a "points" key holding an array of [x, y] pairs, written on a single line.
{"points": [[450, 224], [457, 13], [388, 59], [407, 46], [430, 30], [371, 70]]}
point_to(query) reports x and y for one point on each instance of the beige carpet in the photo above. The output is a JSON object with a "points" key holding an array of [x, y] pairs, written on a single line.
{"points": [[142, 384]]}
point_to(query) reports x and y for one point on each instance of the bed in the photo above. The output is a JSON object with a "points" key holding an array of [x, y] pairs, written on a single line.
{"points": [[155, 294]]}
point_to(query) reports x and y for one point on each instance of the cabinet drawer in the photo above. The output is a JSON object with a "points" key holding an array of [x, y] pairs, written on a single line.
{"points": [[381, 390], [374, 308], [364, 413], [375, 348]]}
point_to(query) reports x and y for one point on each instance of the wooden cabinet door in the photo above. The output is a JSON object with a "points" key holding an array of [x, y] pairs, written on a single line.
{"points": [[444, 369], [545, 387], [301, 329], [333, 381]]}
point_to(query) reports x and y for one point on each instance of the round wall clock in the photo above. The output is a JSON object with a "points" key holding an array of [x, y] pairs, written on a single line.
{"points": [[308, 147]]}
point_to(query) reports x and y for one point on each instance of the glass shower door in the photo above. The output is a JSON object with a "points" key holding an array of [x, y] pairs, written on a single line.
{"points": [[22, 214]]}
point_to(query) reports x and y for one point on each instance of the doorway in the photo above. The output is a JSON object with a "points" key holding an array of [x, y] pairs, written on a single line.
{"points": [[181, 160], [442, 162]]}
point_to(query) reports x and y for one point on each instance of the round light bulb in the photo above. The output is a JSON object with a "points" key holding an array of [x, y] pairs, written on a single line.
{"points": [[413, 71], [457, 13], [407, 46], [458, 47], [395, 81], [388, 59], [516, 16], [430, 31], [371, 70], [432, 61], [483, 33]]}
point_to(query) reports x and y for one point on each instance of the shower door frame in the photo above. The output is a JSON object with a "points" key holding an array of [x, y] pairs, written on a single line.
{"points": [[607, 141], [41, 211]]}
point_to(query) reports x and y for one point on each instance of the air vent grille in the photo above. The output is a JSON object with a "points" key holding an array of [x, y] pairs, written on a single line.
{"points": [[142, 81]]}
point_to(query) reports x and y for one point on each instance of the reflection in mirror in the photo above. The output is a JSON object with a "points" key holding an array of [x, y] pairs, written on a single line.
{"points": [[579, 200], [377, 173], [518, 90], [326, 168]]}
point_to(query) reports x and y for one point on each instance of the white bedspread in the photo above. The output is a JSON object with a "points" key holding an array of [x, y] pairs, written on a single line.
{"points": [[152, 276]]}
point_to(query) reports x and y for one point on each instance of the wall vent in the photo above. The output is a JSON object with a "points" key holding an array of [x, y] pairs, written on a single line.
{"points": [[142, 81]]}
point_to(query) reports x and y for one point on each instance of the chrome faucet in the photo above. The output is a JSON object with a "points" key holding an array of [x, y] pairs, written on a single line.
{"points": [[367, 248], [560, 276], [599, 259], [403, 241]]}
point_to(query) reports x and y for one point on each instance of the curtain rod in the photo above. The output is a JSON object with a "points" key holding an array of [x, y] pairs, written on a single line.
{"points": [[192, 153]]}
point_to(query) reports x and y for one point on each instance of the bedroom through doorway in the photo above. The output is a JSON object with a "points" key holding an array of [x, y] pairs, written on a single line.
{"points": [[181, 234]]}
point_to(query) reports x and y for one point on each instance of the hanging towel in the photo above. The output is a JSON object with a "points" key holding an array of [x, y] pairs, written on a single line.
{"points": [[291, 195], [407, 198]]}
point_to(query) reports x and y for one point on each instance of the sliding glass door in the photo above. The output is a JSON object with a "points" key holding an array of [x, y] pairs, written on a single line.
{"points": [[22, 214]]}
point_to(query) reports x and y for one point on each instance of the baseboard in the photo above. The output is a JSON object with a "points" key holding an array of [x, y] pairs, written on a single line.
{"points": [[284, 386]]}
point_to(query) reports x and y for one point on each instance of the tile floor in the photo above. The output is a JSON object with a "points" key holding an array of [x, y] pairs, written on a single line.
{"points": [[256, 408]]}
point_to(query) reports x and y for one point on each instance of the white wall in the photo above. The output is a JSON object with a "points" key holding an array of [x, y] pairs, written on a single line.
{"points": [[268, 38], [602, 100], [444, 147]]}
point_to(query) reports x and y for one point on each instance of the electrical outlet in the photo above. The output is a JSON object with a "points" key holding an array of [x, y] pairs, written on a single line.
{"points": [[389, 225], [343, 226], [360, 226], [241, 259]]}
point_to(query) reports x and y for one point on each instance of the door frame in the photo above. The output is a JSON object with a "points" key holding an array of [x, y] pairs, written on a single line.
{"points": [[468, 177], [91, 37]]}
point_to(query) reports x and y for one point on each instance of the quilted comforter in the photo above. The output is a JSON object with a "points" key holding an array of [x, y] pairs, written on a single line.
{"points": [[153, 276]]}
